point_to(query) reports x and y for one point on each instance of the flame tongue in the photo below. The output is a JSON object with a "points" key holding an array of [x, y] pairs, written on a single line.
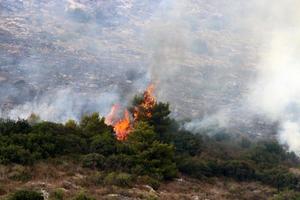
{"points": [[149, 100], [147, 104], [123, 127]]}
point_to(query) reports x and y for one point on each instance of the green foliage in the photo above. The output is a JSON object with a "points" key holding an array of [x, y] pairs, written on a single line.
{"points": [[93, 161], [93, 124], [71, 124], [122, 162], [16, 154], [287, 195], [279, 178], [151, 156], [104, 143], [155, 150], [197, 168], [119, 179], [240, 170], [9, 127], [26, 195], [268, 154], [142, 136], [186, 142], [58, 194], [159, 118]]}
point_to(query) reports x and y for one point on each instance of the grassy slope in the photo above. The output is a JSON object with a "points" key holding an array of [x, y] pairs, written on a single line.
{"points": [[70, 178]]}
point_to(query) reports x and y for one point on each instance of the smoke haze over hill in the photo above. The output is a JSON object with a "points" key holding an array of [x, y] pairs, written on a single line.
{"points": [[228, 63]]}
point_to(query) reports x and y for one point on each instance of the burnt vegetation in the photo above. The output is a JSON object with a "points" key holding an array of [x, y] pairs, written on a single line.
{"points": [[156, 150]]}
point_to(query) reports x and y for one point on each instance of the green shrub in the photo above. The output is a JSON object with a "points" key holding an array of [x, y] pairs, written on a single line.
{"points": [[93, 161], [147, 180], [103, 143], [119, 179], [58, 194], [15, 154], [83, 196], [278, 177], [19, 173], [186, 142], [195, 167], [121, 162], [239, 170], [96, 178], [287, 195], [26, 195]]}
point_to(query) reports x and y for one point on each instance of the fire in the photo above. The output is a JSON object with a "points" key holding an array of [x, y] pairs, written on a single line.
{"points": [[121, 127], [149, 100], [147, 104], [124, 126]]}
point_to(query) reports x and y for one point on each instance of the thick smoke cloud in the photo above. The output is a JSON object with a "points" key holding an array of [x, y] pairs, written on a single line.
{"points": [[276, 93], [225, 63]]}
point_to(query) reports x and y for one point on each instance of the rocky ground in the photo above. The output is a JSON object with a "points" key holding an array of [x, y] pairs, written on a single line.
{"points": [[70, 179]]}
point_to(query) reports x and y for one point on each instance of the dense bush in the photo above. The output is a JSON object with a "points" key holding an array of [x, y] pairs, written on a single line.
{"points": [[151, 156], [119, 179], [58, 194], [157, 148], [197, 168], [93, 161], [287, 195], [279, 178], [26, 195], [186, 142]]}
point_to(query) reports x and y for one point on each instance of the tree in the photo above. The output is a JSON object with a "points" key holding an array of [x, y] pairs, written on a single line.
{"points": [[151, 156], [93, 124], [159, 117], [104, 143]]}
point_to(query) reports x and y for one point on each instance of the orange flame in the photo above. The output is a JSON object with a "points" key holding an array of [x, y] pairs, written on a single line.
{"points": [[149, 100], [147, 104], [123, 127]]}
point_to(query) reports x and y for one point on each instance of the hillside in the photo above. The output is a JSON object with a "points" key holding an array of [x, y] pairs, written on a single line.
{"points": [[109, 50], [149, 99], [53, 178], [144, 155]]}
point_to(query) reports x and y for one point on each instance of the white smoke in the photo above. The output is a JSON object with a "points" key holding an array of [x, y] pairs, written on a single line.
{"points": [[219, 119], [276, 93], [65, 104], [218, 62]]}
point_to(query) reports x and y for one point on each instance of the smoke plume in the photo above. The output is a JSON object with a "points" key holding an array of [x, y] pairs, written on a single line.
{"points": [[276, 92], [225, 63]]}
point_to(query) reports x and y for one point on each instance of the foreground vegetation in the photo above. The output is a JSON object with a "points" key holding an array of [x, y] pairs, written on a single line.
{"points": [[157, 150]]}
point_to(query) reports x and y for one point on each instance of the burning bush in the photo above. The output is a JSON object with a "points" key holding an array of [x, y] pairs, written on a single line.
{"points": [[142, 110]]}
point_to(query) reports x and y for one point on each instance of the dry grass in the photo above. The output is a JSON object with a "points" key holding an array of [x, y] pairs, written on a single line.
{"points": [[70, 179]]}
